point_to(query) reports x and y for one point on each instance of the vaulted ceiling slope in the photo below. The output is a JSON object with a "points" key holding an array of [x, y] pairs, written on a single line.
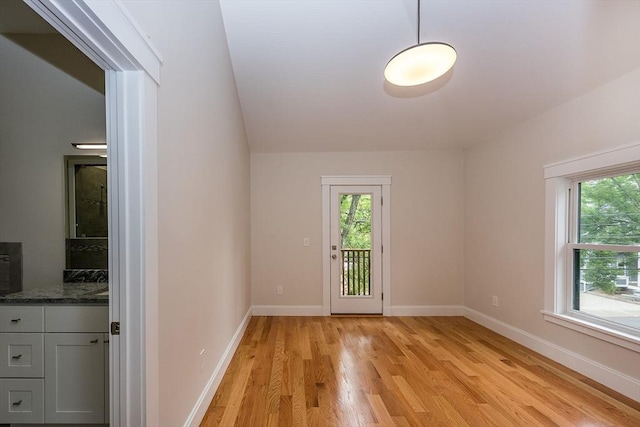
{"points": [[310, 72]]}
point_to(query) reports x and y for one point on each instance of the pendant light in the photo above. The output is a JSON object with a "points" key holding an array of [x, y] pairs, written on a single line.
{"points": [[420, 63]]}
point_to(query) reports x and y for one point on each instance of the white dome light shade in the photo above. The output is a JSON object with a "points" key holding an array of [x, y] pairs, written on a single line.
{"points": [[420, 64]]}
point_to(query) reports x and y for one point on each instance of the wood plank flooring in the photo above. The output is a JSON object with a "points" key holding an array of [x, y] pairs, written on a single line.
{"points": [[402, 371]]}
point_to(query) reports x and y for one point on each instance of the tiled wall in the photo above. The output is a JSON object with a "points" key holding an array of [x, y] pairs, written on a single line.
{"points": [[85, 275], [87, 253], [10, 267]]}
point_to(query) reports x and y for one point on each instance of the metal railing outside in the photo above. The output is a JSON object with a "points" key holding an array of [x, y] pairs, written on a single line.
{"points": [[356, 272]]}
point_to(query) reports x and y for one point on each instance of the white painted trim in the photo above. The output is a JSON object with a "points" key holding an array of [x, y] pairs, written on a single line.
{"points": [[589, 328], [150, 321], [556, 237], [399, 310], [200, 409], [287, 310], [326, 254], [126, 150], [615, 380], [604, 247], [426, 310], [386, 242], [356, 180], [105, 32], [613, 157]]}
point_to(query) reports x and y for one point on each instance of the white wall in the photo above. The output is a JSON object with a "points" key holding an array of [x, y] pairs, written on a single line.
{"points": [[42, 111], [426, 224], [203, 199], [504, 215]]}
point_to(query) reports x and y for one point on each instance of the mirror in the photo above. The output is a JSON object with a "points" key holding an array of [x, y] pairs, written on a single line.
{"points": [[87, 218]]}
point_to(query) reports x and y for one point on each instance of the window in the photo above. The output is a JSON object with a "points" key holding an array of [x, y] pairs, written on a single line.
{"points": [[592, 252], [603, 250]]}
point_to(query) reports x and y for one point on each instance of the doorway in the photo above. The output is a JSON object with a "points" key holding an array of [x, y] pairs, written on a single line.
{"points": [[106, 34], [356, 244], [356, 250]]}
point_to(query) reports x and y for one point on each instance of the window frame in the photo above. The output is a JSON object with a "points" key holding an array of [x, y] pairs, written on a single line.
{"points": [[561, 228]]}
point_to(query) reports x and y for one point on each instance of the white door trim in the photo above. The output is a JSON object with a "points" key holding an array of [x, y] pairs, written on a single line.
{"points": [[106, 33], [385, 182]]}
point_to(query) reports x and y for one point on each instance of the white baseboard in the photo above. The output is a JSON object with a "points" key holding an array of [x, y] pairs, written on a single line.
{"points": [[287, 310], [615, 380], [426, 310], [317, 310], [199, 410]]}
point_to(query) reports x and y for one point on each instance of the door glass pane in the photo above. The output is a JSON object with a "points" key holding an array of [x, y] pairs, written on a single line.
{"points": [[355, 244], [91, 200]]}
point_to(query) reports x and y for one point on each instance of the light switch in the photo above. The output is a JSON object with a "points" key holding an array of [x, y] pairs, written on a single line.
{"points": [[305, 241]]}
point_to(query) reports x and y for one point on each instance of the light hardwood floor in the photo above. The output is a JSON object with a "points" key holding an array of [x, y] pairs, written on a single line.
{"points": [[403, 371]]}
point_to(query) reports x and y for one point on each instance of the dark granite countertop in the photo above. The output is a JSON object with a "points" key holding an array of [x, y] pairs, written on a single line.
{"points": [[64, 293]]}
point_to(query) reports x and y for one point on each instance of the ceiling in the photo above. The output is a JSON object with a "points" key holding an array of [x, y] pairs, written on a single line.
{"points": [[310, 72], [17, 17], [24, 27]]}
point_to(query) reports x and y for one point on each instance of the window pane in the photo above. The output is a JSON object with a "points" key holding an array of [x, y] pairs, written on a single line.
{"points": [[610, 210], [606, 286], [355, 240]]}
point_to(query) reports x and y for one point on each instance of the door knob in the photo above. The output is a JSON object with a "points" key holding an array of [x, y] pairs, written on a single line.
{"points": [[334, 256]]}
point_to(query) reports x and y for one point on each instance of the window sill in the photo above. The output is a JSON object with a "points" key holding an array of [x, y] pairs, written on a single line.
{"points": [[612, 336]]}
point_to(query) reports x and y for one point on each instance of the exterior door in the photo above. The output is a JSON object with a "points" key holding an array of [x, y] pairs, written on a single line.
{"points": [[356, 249]]}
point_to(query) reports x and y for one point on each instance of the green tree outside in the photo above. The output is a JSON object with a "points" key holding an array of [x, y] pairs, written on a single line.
{"points": [[355, 234], [355, 221], [609, 214]]}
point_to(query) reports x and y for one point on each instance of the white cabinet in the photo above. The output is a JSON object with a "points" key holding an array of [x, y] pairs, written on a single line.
{"points": [[54, 364], [74, 364], [21, 364]]}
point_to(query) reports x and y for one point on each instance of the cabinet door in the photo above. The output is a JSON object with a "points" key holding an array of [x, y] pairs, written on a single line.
{"points": [[74, 380]]}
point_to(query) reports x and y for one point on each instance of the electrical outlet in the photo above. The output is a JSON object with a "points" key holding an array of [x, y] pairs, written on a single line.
{"points": [[495, 301], [305, 241], [279, 290], [202, 360]]}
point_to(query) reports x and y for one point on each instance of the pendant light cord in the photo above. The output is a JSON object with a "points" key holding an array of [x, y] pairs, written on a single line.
{"points": [[418, 21]]}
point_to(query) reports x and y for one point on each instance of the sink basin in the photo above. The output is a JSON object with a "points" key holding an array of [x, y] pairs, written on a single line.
{"points": [[105, 293]]}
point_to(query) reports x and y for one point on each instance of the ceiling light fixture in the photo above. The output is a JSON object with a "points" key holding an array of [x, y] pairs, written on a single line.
{"points": [[420, 63], [85, 146]]}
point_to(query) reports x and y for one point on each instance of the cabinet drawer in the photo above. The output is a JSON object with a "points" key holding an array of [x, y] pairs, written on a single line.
{"points": [[21, 355], [21, 318], [65, 318], [21, 401]]}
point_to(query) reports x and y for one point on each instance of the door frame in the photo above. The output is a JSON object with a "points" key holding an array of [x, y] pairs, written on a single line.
{"points": [[384, 181], [107, 34]]}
